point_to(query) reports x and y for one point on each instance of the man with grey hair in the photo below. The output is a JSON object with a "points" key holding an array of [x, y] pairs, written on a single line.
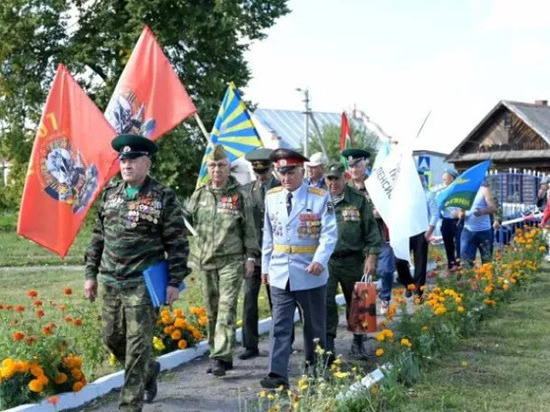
{"points": [[316, 170]]}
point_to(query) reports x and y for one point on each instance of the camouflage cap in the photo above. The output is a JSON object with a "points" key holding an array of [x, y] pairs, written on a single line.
{"points": [[131, 146], [335, 170], [217, 153]]}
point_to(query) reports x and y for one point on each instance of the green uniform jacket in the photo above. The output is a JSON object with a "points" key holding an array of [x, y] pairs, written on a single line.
{"points": [[357, 229], [253, 191], [224, 222], [131, 234]]}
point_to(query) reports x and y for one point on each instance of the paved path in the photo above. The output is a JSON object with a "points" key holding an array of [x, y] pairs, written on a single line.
{"points": [[19, 269], [189, 388]]}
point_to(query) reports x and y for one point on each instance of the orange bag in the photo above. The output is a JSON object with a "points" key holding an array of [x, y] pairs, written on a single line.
{"points": [[362, 314]]}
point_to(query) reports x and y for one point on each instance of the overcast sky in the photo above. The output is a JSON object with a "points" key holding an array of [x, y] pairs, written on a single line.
{"points": [[398, 59]]}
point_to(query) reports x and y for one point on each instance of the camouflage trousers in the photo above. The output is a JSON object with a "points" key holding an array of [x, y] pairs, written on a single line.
{"points": [[128, 326], [345, 271], [220, 289]]}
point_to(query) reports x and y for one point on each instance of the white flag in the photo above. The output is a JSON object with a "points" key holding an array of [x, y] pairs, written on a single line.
{"points": [[398, 196]]}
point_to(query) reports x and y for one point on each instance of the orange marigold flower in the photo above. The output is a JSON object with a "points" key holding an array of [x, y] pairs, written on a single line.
{"points": [[37, 303], [31, 340], [46, 330], [39, 313], [78, 322], [60, 378], [17, 336], [176, 335], [77, 386], [32, 293], [76, 373], [182, 344], [62, 308], [68, 319], [379, 352], [179, 323], [68, 291], [36, 370], [178, 313], [35, 385], [53, 400], [19, 309], [412, 286]]}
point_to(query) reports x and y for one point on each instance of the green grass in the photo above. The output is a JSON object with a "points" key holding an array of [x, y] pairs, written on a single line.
{"points": [[50, 284], [18, 251], [503, 367]]}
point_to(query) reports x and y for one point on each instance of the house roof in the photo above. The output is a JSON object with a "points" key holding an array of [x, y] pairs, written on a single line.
{"points": [[536, 116], [289, 124]]}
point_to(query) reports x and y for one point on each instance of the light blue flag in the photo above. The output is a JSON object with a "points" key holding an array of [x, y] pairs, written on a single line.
{"points": [[233, 129], [463, 190]]}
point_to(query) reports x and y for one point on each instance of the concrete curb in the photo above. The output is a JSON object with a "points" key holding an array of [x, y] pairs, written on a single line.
{"points": [[106, 384]]}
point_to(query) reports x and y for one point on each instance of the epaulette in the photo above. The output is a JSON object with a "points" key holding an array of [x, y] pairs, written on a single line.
{"points": [[316, 190], [274, 190]]}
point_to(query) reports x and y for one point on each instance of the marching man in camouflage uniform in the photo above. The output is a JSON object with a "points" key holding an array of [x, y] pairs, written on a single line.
{"points": [[139, 222], [226, 248], [256, 190], [355, 253]]}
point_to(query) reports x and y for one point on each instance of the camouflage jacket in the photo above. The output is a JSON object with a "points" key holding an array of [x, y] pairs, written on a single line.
{"points": [[357, 228], [224, 222], [257, 199], [131, 234]]}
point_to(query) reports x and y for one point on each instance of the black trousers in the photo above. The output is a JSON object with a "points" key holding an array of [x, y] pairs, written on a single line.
{"points": [[451, 231], [250, 308], [419, 247]]}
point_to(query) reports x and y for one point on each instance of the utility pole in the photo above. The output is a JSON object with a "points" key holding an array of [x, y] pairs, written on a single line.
{"points": [[306, 120]]}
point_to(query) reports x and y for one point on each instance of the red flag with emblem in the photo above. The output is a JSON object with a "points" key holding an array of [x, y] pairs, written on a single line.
{"points": [[149, 98], [346, 141], [68, 167]]}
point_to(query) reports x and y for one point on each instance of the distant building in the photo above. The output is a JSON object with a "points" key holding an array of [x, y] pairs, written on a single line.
{"points": [[432, 164], [514, 135]]}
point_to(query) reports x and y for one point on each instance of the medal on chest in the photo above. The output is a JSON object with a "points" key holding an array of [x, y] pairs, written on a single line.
{"points": [[309, 226], [350, 214], [229, 204]]}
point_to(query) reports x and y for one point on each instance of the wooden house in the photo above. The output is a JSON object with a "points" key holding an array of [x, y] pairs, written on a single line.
{"points": [[514, 135]]}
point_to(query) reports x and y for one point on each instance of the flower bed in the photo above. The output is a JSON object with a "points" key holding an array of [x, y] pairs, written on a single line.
{"points": [[51, 347], [407, 344]]}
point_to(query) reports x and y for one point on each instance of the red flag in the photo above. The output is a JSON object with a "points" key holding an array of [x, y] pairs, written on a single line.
{"points": [[68, 167], [149, 98], [346, 140]]}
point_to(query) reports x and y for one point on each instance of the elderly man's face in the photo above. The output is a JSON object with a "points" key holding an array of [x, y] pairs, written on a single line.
{"points": [[335, 185], [291, 179], [218, 171], [448, 179], [134, 171], [315, 172], [357, 171]]}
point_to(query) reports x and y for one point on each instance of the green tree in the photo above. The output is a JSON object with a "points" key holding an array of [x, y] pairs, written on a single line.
{"points": [[362, 139], [205, 41]]}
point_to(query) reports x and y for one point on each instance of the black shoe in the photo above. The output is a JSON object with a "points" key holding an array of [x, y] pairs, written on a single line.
{"points": [[219, 368], [274, 381], [249, 353], [357, 350], [408, 293], [227, 364], [150, 391]]}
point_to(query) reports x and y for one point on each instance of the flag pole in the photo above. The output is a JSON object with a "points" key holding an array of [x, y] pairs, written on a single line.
{"points": [[203, 129]]}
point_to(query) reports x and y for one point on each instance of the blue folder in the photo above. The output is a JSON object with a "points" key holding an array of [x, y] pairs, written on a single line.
{"points": [[156, 279]]}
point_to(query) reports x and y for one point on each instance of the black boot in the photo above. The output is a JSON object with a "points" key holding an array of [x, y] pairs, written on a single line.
{"points": [[357, 351], [150, 391], [331, 356]]}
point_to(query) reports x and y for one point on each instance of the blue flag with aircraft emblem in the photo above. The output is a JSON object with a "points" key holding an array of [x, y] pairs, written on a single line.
{"points": [[463, 190]]}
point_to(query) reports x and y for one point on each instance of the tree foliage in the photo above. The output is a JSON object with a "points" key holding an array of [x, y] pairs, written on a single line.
{"points": [[205, 41], [362, 139]]}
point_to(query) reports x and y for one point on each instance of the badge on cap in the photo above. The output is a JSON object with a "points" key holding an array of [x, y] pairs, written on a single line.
{"points": [[282, 162], [126, 149], [350, 158]]}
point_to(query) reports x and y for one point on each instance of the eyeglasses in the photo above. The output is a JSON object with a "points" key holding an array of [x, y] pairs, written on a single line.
{"points": [[213, 165]]}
